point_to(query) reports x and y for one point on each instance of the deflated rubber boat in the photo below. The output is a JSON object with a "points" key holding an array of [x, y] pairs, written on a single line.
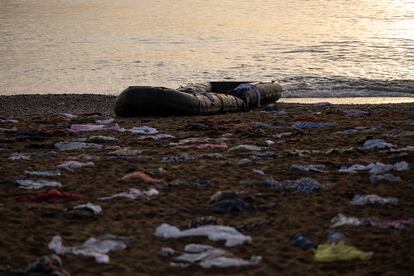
{"points": [[196, 99]]}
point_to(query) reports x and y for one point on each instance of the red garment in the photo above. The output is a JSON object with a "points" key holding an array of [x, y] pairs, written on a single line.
{"points": [[53, 194]]}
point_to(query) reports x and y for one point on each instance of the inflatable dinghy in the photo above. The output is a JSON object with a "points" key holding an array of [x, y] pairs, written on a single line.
{"points": [[196, 99]]}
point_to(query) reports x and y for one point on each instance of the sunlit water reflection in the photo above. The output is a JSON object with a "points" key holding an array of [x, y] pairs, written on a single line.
{"points": [[317, 48]]}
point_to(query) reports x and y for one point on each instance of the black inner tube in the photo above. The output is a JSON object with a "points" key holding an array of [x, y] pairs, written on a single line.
{"points": [[196, 99]]}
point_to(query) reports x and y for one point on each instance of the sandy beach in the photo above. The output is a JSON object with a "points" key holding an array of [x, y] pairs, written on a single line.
{"points": [[186, 186]]}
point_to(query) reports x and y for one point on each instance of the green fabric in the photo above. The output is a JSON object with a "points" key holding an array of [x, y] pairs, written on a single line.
{"points": [[339, 252]]}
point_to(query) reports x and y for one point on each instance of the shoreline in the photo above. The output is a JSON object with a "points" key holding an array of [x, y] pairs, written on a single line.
{"points": [[41, 104]]}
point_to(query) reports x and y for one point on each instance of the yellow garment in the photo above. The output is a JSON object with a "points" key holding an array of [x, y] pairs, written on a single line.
{"points": [[330, 252]]}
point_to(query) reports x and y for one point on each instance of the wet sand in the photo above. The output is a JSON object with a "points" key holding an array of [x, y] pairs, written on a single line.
{"points": [[28, 227]]}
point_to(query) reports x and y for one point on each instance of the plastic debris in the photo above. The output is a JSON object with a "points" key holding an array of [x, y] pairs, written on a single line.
{"points": [[140, 176], [230, 235], [63, 146], [134, 194], [71, 165], [355, 112], [312, 125], [332, 252], [303, 242], [43, 173], [53, 194], [143, 130], [98, 247], [37, 184], [19, 156], [377, 144], [208, 256], [156, 137], [308, 168], [96, 209], [375, 168], [375, 178], [373, 199], [102, 139], [93, 127], [306, 185], [246, 147], [174, 159]]}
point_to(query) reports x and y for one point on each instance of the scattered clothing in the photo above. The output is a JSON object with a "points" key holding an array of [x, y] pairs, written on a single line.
{"points": [[143, 130], [373, 199], [313, 125], [63, 146], [45, 265], [96, 209], [19, 156], [332, 252], [43, 173], [140, 176], [53, 194], [125, 152], [102, 139], [72, 165], [174, 159], [156, 137], [246, 148], [230, 235], [37, 184], [134, 194], [375, 168], [377, 144], [303, 242], [222, 146], [208, 256], [98, 247], [376, 178], [355, 112], [305, 185], [94, 127], [308, 168], [402, 224]]}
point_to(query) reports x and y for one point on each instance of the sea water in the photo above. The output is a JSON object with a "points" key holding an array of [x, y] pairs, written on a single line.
{"points": [[314, 48]]}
